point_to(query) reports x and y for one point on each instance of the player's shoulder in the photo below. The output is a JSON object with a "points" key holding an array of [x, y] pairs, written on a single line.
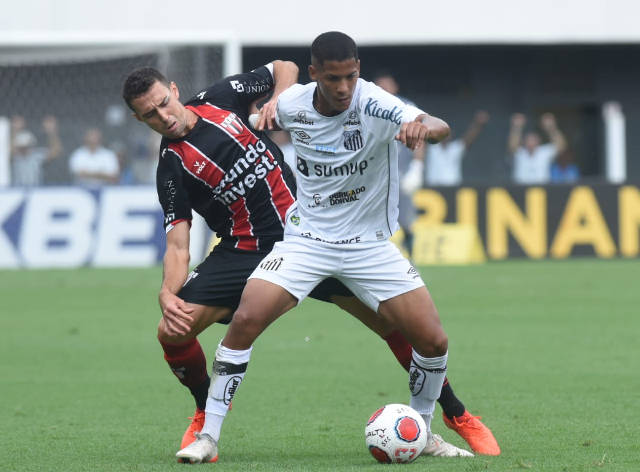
{"points": [[367, 93], [366, 88], [296, 99], [295, 94]]}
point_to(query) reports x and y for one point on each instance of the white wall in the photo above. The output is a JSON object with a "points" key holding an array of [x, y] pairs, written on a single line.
{"points": [[289, 22]]}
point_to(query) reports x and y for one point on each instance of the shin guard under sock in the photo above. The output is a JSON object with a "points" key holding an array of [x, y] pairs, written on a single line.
{"points": [[187, 361], [425, 382]]}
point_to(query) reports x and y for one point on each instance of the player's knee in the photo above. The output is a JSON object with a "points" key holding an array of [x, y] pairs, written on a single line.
{"points": [[246, 325], [162, 331], [435, 345], [165, 338]]}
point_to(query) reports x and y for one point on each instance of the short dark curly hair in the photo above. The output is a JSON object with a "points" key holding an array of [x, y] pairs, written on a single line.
{"points": [[333, 46], [140, 82]]}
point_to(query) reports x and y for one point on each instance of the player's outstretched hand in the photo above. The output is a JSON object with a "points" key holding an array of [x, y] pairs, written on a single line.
{"points": [[176, 314], [413, 134]]}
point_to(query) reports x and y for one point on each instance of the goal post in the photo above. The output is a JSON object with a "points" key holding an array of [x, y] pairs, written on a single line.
{"points": [[76, 77]]}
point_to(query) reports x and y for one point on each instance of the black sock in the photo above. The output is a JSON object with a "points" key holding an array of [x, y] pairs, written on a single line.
{"points": [[201, 392], [451, 405]]}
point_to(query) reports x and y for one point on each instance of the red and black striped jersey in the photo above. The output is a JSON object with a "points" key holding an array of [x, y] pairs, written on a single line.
{"points": [[232, 175]]}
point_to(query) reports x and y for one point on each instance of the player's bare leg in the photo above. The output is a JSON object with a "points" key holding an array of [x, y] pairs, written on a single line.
{"points": [[416, 317], [454, 414], [262, 303]]}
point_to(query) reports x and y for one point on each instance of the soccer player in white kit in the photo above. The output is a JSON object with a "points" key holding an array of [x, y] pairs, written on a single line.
{"points": [[343, 129]]}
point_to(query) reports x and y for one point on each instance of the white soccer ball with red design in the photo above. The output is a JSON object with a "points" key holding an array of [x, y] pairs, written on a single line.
{"points": [[396, 434]]}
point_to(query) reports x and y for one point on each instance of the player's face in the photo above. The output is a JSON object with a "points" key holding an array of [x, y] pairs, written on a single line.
{"points": [[336, 83], [161, 110]]}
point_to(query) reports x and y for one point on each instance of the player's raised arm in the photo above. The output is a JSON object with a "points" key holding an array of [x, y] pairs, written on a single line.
{"points": [[285, 74]]}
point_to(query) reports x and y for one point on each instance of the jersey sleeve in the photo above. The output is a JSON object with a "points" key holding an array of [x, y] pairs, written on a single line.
{"points": [[172, 193], [383, 113], [238, 91]]}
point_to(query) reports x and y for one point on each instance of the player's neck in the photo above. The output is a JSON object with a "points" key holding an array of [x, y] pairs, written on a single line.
{"points": [[192, 119], [322, 106]]}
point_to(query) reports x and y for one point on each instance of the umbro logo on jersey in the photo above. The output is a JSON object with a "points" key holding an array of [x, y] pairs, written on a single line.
{"points": [[272, 264], [413, 272], [201, 95], [301, 137]]}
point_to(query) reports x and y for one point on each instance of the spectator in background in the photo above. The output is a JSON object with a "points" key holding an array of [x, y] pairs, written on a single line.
{"points": [[410, 167], [444, 160], [531, 159], [564, 170], [283, 140], [127, 176], [27, 160], [93, 164]]}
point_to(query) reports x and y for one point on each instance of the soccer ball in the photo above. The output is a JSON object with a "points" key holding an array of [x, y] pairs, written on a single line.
{"points": [[396, 434]]}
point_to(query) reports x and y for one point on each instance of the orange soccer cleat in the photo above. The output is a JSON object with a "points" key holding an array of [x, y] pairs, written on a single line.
{"points": [[477, 435], [197, 423], [196, 426]]}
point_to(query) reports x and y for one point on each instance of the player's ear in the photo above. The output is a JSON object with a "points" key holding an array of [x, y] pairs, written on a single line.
{"points": [[174, 90], [136, 116], [313, 73]]}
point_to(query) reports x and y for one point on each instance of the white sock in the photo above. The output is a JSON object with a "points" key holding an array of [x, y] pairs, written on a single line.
{"points": [[425, 382], [229, 368]]}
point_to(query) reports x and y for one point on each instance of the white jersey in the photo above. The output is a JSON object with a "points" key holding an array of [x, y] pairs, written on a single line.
{"points": [[346, 165]]}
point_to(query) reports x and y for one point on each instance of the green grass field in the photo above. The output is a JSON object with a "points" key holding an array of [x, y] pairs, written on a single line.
{"points": [[547, 353]]}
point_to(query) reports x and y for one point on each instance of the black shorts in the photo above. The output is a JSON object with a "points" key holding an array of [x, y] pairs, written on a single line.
{"points": [[220, 279]]}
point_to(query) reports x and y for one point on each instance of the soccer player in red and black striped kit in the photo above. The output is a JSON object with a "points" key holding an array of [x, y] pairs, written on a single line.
{"points": [[214, 163]]}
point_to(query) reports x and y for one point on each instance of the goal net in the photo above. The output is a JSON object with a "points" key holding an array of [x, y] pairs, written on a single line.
{"points": [[79, 86]]}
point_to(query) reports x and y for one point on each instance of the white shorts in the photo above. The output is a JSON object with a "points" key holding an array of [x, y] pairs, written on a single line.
{"points": [[374, 271]]}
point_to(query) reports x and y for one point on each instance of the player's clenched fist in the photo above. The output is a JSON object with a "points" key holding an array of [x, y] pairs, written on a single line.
{"points": [[413, 134]]}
